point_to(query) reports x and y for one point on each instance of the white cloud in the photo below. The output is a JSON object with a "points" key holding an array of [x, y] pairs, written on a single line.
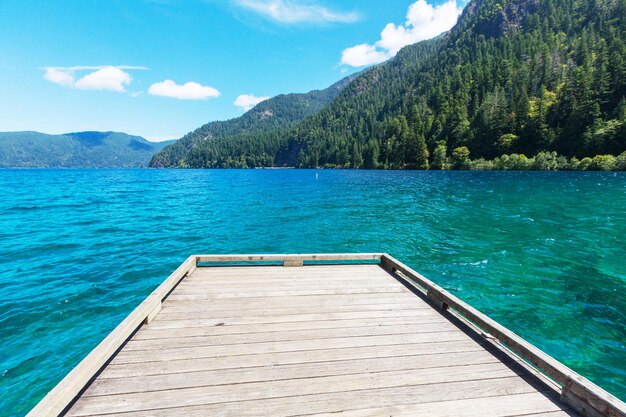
{"points": [[102, 77], [59, 76], [248, 101], [362, 55], [423, 21], [188, 91], [109, 78], [297, 11]]}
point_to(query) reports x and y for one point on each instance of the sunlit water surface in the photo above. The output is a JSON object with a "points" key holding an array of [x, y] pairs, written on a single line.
{"points": [[542, 253]]}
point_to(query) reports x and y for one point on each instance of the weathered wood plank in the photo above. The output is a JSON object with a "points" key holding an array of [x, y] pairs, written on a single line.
{"points": [[330, 275], [179, 340], [205, 311], [312, 284], [290, 257], [453, 353], [475, 364], [436, 386], [170, 322], [257, 269], [409, 315], [310, 274], [532, 404], [337, 402], [428, 325], [129, 356], [286, 302], [217, 295], [429, 384]]}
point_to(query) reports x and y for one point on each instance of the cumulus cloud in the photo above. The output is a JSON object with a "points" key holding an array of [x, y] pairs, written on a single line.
{"points": [[248, 101], [102, 77], [297, 11], [109, 78], [188, 91], [362, 55], [423, 21], [59, 76]]}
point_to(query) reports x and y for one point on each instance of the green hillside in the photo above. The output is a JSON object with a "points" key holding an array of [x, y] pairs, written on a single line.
{"points": [[250, 140], [513, 77], [76, 150]]}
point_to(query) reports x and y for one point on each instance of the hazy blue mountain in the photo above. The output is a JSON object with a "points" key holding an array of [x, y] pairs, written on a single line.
{"points": [[76, 150]]}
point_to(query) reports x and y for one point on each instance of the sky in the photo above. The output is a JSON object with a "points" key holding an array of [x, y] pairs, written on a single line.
{"points": [[161, 68]]}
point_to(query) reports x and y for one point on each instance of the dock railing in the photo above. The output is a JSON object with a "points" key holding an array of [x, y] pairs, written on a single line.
{"points": [[578, 392]]}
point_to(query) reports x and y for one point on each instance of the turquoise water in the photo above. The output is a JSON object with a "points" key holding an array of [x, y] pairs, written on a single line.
{"points": [[542, 253]]}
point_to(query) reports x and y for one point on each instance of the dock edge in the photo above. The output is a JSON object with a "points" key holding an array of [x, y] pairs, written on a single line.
{"points": [[576, 391]]}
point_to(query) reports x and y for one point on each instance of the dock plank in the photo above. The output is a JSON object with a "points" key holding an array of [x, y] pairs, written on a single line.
{"points": [[477, 363], [178, 339], [163, 322], [434, 385], [326, 404], [293, 302], [425, 326], [447, 350], [132, 356], [450, 386], [532, 405]]}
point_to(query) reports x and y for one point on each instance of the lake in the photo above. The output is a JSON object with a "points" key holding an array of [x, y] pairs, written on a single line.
{"points": [[543, 253]]}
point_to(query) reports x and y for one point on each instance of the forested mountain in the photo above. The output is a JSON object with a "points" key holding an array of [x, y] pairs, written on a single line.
{"points": [[512, 78], [76, 150], [252, 139], [516, 76]]}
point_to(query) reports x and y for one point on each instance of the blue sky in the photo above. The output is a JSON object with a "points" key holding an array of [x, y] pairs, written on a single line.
{"points": [[160, 68]]}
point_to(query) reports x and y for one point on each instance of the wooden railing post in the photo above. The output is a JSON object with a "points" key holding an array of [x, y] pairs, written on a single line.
{"points": [[437, 300]]}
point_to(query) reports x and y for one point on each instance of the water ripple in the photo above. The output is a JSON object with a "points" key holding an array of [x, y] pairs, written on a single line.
{"points": [[542, 253]]}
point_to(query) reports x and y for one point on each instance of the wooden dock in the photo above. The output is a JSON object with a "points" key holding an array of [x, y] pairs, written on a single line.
{"points": [[324, 335]]}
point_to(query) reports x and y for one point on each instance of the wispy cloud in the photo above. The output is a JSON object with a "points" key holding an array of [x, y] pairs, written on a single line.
{"points": [[423, 21], [101, 77], [188, 91], [297, 11], [248, 101]]}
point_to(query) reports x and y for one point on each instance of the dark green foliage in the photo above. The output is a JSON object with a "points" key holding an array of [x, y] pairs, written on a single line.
{"points": [[76, 150], [549, 161], [511, 77], [460, 158], [439, 156], [514, 77]]}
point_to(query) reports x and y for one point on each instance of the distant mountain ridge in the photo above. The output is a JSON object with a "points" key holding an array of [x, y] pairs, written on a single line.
{"points": [[76, 150], [226, 143]]}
